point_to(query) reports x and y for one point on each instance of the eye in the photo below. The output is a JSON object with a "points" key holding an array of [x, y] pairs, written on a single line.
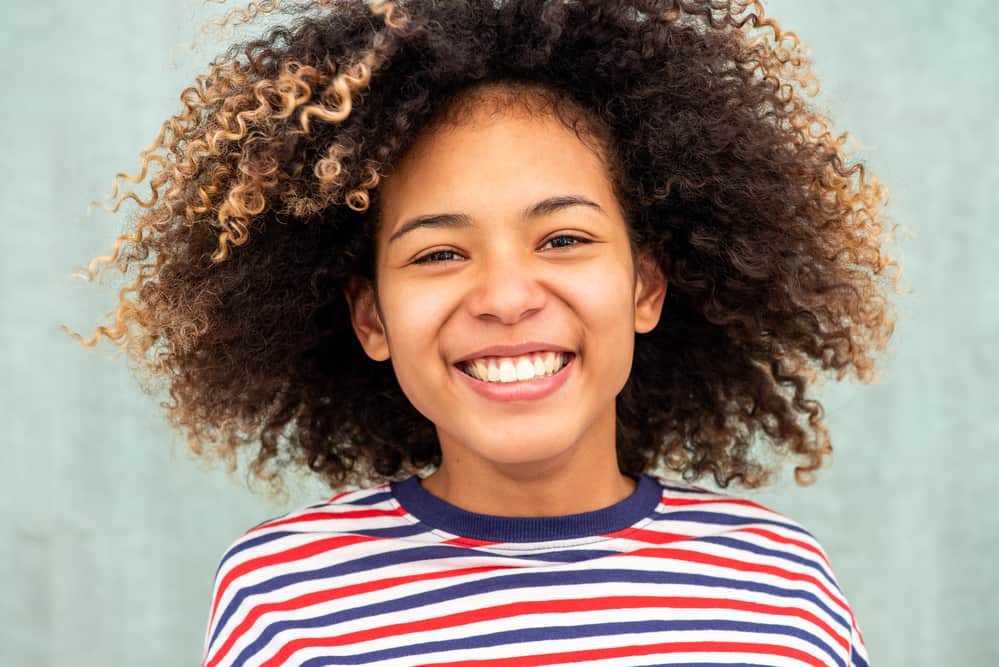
{"points": [[429, 257], [579, 240]]}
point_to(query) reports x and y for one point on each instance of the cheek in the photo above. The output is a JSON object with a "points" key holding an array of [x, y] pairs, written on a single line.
{"points": [[415, 317], [604, 295], [604, 303], [415, 306]]}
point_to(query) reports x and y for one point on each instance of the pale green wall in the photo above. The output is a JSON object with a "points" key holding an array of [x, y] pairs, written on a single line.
{"points": [[112, 534]]}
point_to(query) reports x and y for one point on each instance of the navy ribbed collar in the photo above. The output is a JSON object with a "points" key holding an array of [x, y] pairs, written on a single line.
{"points": [[442, 515]]}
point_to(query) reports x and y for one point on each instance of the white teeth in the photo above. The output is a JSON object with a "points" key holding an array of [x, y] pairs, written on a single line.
{"points": [[508, 372], [550, 361], [526, 368]]}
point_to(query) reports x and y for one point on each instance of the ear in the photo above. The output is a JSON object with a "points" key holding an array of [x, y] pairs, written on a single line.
{"points": [[650, 292], [366, 319]]}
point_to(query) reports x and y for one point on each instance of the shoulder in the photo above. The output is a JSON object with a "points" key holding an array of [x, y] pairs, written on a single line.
{"points": [[348, 512], [291, 543], [744, 545], [739, 526], [685, 500]]}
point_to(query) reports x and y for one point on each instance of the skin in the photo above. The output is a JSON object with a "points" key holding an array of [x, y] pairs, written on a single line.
{"points": [[505, 282]]}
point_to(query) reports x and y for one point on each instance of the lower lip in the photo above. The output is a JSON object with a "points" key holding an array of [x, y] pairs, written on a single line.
{"points": [[528, 390]]}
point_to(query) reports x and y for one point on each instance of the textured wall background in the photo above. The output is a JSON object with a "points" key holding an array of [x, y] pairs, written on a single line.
{"points": [[112, 532]]}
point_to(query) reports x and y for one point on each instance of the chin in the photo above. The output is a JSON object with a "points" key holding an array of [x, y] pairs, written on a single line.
{"points": [[513, 450]]}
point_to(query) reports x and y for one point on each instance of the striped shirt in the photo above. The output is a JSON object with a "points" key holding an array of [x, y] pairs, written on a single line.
{"points": [[391, 575]]}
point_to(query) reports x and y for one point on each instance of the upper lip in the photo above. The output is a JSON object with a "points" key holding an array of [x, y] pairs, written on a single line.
{"points": [[512, 350]]}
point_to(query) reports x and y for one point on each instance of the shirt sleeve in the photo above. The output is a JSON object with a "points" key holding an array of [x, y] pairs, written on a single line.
{"points": [[858, 650], [210, 623], [220, 615]]}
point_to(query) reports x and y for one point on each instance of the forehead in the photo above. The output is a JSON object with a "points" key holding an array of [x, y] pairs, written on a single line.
{"points": [[490, 163]]}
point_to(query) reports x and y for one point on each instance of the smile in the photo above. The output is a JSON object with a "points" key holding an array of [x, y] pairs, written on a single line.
{"points": [[513, 369], [523, 390]]}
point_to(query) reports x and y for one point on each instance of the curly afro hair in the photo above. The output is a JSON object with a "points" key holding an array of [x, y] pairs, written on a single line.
{"points": [[264, 206]]}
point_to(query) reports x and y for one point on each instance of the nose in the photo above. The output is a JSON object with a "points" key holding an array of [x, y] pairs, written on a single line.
{"points": [[505, 286]]}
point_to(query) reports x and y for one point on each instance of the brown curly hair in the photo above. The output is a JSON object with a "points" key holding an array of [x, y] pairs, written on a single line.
{"points": [[264, 205]]}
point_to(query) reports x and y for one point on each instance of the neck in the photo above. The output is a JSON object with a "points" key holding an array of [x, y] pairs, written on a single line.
{"points": [[545, 491]]}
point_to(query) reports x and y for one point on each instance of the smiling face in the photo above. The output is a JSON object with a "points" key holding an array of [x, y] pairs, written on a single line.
{"points": [[496, 272]]}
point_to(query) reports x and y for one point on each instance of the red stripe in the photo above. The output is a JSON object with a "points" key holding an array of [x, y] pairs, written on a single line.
{"points": [[783, 539], [670, 500], [650, 649], [311, 549], [515, 609], [278, 558], [342, 494], [657, 537], [470, 542], [323, 596], [646, 536], [735, 564], [327, 516], [673, 500]]}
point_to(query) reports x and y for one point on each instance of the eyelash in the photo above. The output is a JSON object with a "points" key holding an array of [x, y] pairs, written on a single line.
{"points": [[425, 259]]}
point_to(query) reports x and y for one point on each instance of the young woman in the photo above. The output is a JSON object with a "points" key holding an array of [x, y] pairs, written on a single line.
{"points": [[572, 256]]}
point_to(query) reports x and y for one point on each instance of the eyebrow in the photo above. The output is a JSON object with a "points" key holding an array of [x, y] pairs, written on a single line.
{"points": [[541, 208]]}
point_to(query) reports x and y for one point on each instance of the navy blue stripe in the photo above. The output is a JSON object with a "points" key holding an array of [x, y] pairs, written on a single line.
{"points": [[506, 581], [245, 543], [388, 560], [713, 518], [720, 519], [442, 515], [400, 531], [707, 664], [683, 489], [373, 499], [524, 635], [742, 545], [403, 531], [376, 561]]}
